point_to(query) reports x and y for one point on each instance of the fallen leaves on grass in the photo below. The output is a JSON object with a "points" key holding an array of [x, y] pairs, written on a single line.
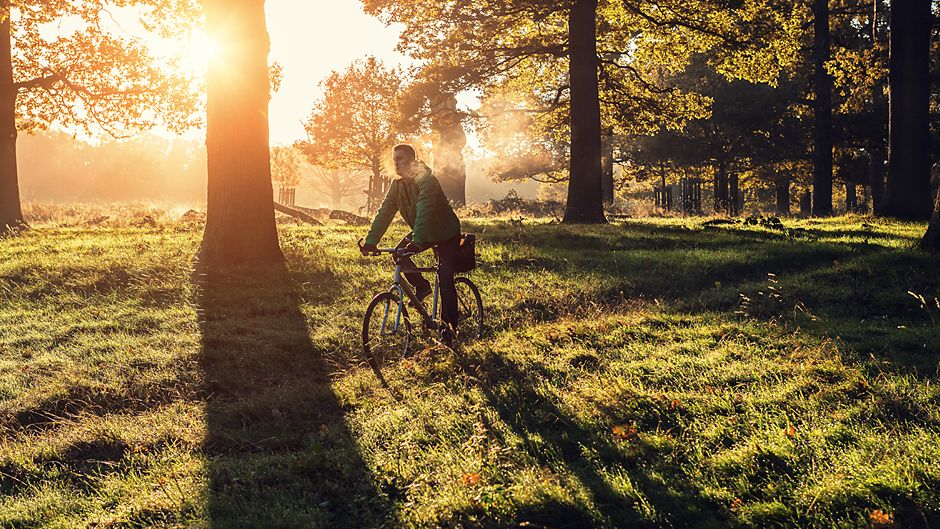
{"points": [[470, 479], [880, 519], [623, 432]]}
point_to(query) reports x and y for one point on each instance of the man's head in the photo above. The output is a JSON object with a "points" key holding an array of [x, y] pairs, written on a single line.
{"points": [[403, 154]]}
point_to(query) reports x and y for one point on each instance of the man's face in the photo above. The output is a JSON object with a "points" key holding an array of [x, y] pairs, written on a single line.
{"points": [[401, 159]]}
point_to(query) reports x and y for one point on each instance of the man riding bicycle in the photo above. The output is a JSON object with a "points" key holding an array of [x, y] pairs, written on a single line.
{"points": [[418, 196]]}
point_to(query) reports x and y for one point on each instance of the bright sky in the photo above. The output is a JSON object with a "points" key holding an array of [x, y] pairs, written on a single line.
{"points": [[311, 38]]}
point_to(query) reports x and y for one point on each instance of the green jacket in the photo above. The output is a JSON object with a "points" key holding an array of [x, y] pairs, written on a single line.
{"points": [[421, 202]]}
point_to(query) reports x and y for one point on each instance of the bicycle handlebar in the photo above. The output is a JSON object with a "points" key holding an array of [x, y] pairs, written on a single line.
{"points": [[398, 252]]}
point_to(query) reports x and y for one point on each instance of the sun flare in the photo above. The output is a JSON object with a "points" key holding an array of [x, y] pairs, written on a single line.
{"points": [[198, 51]]}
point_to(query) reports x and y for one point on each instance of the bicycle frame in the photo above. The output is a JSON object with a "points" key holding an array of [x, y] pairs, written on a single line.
{"points": [[404, 290]]}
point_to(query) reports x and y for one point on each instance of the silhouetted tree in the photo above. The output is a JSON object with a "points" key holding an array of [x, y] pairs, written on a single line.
{"points": [[354, 125], [585, 197], [879, 123], [339, 184], [931, 240], [240, 226], [822, 111], [83, 77], [908, 192], [449, 142], [285, 166]]}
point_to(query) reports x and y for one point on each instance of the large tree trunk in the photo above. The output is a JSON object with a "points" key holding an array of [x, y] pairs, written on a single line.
{"points": [[876, 142], [449, 166], [782, 187], [240, 226], [11, 213], [585, 204], [908, 193], [822, 111]]}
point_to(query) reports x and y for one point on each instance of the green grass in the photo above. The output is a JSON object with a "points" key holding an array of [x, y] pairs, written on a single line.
{"points": [[649, 373]]}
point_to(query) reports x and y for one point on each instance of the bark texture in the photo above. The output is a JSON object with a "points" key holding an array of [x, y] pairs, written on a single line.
{"points": [[240, 228], [907, 195], [585, 204], [11, 213]]}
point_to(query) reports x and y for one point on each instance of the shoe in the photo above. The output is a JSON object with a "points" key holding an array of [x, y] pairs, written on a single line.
{"points": [[422, 294], [447, 336]]}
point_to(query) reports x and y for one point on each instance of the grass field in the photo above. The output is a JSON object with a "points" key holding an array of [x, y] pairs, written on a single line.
{"points": [[649, 373]]}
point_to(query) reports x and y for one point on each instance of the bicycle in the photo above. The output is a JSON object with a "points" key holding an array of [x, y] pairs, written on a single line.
{"points": [[386, 327]]}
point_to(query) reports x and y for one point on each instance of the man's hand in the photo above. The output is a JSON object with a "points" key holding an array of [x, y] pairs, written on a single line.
{"points": [[368, 249]]}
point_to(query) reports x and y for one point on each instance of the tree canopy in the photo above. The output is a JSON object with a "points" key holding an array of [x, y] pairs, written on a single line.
{"points": [[355, 124]]}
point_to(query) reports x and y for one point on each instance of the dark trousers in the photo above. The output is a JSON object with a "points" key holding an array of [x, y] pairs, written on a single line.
{"points": [[447, 254]]}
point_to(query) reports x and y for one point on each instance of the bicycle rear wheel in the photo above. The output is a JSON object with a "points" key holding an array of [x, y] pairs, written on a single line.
{"points": [[386, 332], [469, 310]]}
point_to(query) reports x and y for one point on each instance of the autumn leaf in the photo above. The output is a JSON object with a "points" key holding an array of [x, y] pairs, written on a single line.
{"points": [[791, 430], [880, 518], [470, 479], [623, 431]]}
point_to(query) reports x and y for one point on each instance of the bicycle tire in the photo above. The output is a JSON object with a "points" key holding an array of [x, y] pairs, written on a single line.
{"points": [[469, 310], [378, 352]]}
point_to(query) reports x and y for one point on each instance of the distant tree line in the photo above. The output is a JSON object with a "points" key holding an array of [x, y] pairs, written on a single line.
{"points": [[761, 93]]}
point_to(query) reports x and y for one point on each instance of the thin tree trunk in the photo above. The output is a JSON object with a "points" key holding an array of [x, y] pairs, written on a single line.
{"points": [[585, 203], [734, 202], [721, 188], [931, 240], [240, 226], [11, 213], [908, 192], [449, 165], [607, 167], [876, 142], [822, 110], [851, 198], [376, 187], [782, 187]]}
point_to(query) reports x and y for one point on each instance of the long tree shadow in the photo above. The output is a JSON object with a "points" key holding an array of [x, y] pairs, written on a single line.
{"points": [[279, 453], [561, 442], [853, 290]]}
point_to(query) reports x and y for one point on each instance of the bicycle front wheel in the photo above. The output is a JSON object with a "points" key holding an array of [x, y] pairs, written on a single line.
{"points": [[386, 332], [469, 310]]}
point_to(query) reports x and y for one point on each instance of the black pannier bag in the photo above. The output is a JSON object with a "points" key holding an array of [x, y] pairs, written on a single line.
{"points": [[467, 255]]}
